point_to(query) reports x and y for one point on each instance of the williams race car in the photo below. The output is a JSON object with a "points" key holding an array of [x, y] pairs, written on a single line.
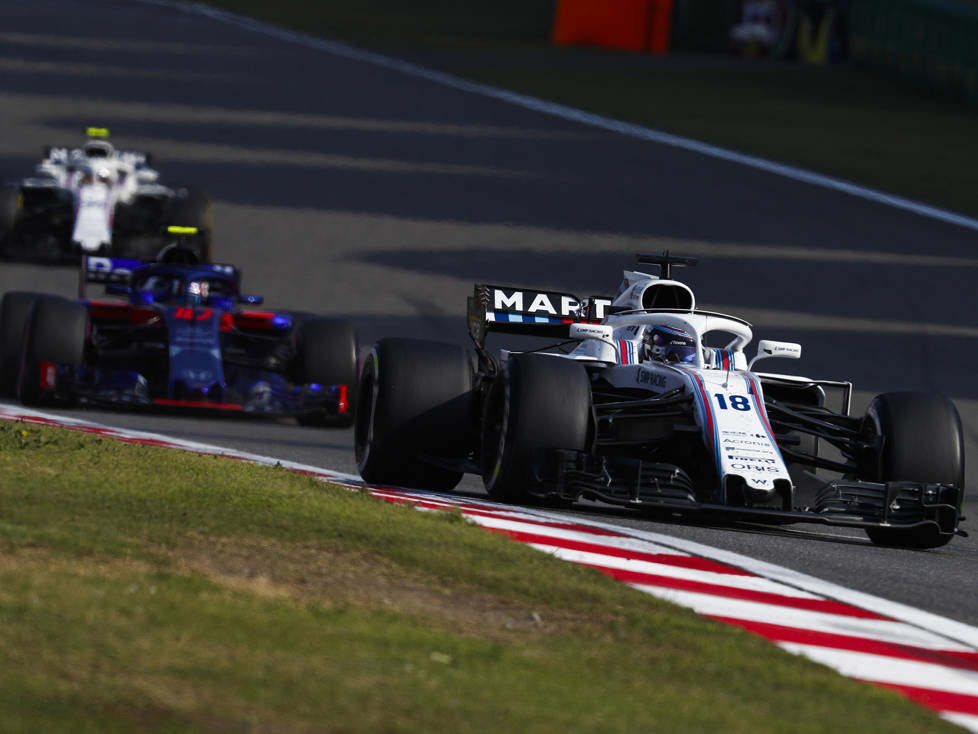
{"points": [[653, 404], [177, 340], [97, 200]]}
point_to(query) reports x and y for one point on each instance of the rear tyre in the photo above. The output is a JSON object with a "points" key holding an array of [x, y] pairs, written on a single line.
{"points": [[922, 442], [540, 402], [195, 210], [329, 354], [416, 400], [15, 310], [55, 335], [9, 209]]}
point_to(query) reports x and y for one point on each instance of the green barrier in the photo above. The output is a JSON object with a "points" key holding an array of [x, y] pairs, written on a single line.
{"points": [[929, 43]]}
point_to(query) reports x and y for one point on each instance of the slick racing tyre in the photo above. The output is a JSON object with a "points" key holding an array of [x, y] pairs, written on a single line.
{"points": [[329, 354], [540, 402], [15, 310], [195, 210], [414, 414], [9, 209], [921, 442], [55, 336]]}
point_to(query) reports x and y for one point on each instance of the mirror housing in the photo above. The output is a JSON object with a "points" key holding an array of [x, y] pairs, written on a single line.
{"points": [[251, 299], [767, 348], [591, 331]]}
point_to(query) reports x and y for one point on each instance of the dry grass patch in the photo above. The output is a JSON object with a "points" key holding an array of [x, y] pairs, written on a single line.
{"points": [[311, 573]]}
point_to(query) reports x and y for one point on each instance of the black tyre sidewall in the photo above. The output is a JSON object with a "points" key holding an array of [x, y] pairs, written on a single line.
{"points": [[922, 442], [415, 399], [15, 312], [329, 354], [540, 402], [9, 209], [56, 332], [196, 210]]}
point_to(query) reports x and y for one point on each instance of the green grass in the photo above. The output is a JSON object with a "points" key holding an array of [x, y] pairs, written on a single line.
{"points": [[835, 120], [146, 589]]}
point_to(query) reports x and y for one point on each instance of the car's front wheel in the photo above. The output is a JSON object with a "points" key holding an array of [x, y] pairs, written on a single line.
{"points": [[921, 441], [538, 403]]}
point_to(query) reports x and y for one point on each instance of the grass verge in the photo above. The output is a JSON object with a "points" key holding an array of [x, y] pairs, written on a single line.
{"points": [[835, 120], [147, 589]]}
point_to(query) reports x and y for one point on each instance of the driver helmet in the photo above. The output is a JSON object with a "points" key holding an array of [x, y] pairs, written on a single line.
{"points": [[668, 344], [199, 291]]}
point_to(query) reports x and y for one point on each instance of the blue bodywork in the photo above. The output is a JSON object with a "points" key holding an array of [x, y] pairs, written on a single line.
{"points": [[178, 339]]}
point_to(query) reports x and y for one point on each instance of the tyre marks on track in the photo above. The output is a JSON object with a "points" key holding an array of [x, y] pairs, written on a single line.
{"points": [[929, 659]]}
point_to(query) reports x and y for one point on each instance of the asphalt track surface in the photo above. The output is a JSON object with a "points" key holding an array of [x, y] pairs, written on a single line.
{"points": [[348, 189]]}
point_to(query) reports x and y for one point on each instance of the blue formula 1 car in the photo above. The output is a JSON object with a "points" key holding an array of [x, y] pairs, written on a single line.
{"points": [[183, 336]]}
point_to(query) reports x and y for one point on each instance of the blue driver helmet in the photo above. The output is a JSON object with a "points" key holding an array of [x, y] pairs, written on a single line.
{"points": [[667, 344]]}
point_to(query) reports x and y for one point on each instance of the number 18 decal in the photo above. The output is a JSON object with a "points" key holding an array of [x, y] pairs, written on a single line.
{"points": [[737, 402]]}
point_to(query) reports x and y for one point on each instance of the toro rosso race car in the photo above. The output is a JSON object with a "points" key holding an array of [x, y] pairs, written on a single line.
{"points": [[177, 340], [97, 200], [652, 404]]}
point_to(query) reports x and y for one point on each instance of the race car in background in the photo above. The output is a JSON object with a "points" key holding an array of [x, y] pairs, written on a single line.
{"points": [[651, 404], [97, 200], [178, 339]]}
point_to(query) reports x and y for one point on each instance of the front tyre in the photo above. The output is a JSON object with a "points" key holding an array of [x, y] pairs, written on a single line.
{"points": [[540, 402], [415, 412], [921, 442], [55, 336]]}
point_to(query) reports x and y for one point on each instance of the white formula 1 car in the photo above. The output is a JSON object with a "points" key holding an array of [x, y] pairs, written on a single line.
{"points": [[652, 404], [97, 200]]}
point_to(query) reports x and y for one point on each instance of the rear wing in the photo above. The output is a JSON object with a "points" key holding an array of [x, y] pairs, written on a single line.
{"points": [[105, 270], [512, 310]]}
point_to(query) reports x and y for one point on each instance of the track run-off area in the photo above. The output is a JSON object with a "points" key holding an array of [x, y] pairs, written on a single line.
{"points": [[930, 659], [380, 190]]}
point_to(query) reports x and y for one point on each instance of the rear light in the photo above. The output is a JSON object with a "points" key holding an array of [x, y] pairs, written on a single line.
{"points": [[49, 373]]}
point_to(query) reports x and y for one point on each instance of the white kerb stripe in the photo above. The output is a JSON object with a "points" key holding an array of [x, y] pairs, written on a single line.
{"points": [[966, 721], [884, 669], [839, 624], [733, 581]]}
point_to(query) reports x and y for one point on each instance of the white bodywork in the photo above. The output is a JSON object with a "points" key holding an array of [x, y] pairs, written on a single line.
{"points": [[98, 177], [728, 397]]}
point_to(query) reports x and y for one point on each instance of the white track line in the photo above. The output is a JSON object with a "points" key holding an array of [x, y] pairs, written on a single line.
{"points": [[570, 113]]}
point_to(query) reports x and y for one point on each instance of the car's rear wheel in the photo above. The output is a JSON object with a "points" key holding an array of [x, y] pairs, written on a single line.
{"points": [[15, 310], [329, 354], [539, 403], [921, 442], [415, 412], [55, 336], [195, 210], [10, 201]]}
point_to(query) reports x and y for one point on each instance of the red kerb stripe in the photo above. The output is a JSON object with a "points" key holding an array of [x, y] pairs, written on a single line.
{"points": [[671, 559], [960, 703], [780, 633], [824, 606]]}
